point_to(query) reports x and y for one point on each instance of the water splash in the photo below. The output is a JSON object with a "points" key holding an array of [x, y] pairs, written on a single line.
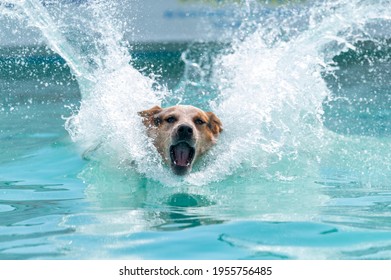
{"points": [[269, 85], [88, 38], [272, 92]]}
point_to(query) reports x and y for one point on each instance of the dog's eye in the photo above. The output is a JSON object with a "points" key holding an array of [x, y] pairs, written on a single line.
{"points": [[199, 121], [171, 119]]}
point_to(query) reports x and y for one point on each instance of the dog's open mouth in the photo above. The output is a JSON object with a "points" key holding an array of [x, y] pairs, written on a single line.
{"points": [[182, 155]]}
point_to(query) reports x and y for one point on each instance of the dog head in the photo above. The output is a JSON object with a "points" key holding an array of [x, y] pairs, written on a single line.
{"points": [[181, 134]]}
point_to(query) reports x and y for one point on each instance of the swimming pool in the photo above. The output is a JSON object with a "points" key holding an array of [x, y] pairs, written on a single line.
{"points": [[302, 170]]}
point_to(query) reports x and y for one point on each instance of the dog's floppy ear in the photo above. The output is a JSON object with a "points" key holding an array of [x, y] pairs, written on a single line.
{"points": [[214, 123], [149, 116]]}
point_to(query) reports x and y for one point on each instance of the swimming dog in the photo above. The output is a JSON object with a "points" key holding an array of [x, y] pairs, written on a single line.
{"points": [[181, 134]]}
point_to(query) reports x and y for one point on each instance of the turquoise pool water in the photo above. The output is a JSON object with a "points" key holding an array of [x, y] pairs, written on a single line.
{"points": [[302, 171]]}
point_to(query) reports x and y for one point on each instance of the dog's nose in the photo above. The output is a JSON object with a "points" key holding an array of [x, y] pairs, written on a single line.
{"points": [[185, 131]]}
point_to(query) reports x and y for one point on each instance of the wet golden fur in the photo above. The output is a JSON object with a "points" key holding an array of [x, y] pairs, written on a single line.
{"points": [[181, 124]]}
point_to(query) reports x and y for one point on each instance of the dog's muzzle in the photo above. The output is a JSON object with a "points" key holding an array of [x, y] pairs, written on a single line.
{"points": [[182, 152]]}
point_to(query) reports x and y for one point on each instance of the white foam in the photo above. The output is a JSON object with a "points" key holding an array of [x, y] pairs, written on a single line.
{"points": [[272, 92]]}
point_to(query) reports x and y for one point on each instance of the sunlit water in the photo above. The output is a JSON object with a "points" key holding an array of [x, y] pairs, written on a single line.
{"points": [[301, 171]]}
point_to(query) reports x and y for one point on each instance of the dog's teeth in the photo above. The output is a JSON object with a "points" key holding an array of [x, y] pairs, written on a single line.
{"points": [[174, 162]]}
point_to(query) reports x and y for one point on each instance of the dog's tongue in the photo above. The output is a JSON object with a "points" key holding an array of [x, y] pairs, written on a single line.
{"points": [[182, 154]]}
